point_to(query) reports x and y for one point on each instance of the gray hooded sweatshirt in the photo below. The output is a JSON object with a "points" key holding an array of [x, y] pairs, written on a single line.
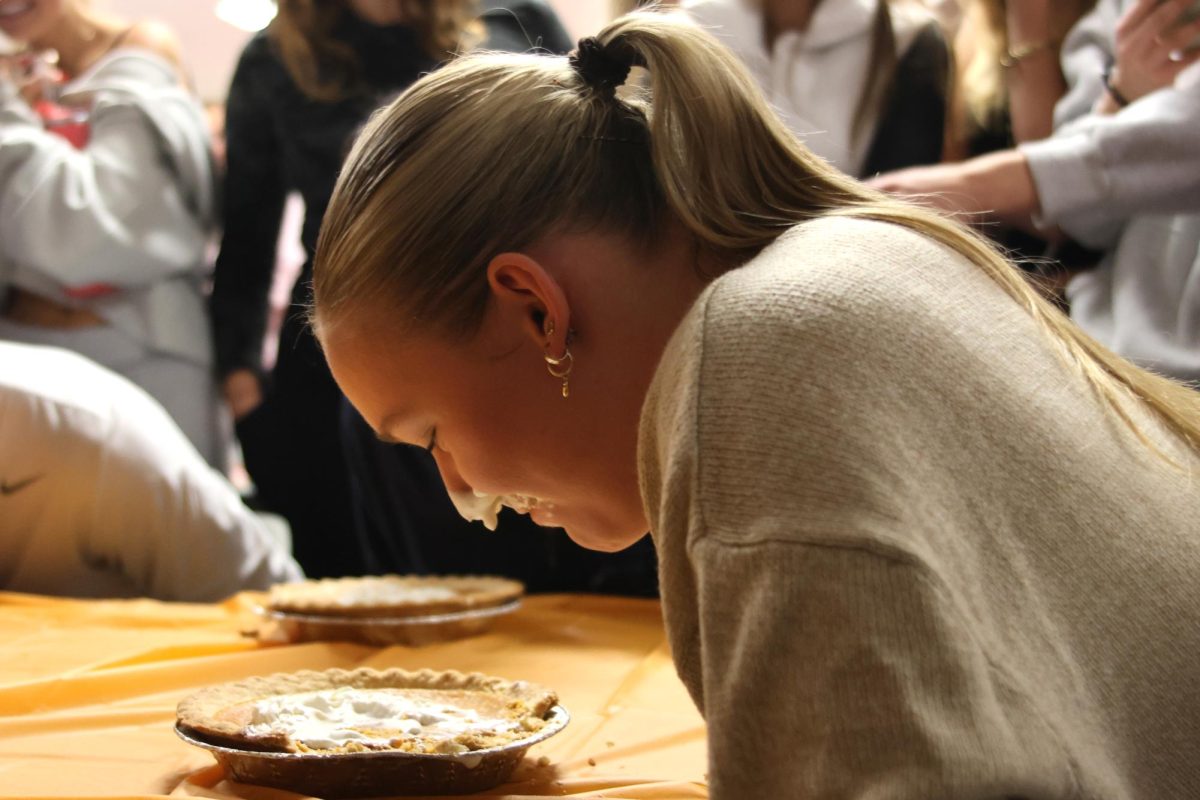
{"points": [[130, 213], [1128, 184]]}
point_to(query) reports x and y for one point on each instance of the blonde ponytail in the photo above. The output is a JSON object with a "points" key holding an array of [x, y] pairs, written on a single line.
{"points": [[495, 150]]}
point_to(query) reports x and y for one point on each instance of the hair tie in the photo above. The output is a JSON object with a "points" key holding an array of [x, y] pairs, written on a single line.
{"points": [[598, 66]]}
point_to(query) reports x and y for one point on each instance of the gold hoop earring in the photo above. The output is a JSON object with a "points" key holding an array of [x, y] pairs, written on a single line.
{"points": [[561, 368]]}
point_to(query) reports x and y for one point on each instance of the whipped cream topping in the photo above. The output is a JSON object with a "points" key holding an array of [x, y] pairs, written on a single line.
{"points": [[485, 507], [383, 591], [374, 718], [380, 593]]}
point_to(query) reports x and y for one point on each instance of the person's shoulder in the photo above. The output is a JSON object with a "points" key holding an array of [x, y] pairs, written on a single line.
{"points": [[910, 18], [259, 57], [519, 25], [260, 65], [64, 393], [833, 290], [917, 31], [259, 50], [145, 56], [155, 37], [833, 256], [516, 6], [717, 12]]}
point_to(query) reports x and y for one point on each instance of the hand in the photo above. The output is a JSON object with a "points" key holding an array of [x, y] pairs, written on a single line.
{"points": [[243, 392], [997, 185], [1153, 47], [31, 73], [942, 186]]}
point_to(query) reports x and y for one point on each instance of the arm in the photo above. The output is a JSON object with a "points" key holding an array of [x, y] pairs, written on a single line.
{"points": [[1034, 78], [1143, 160], [1152, 49], [1087, 179], [253, 209], [114, 212], [997, 185], [173, 526]]}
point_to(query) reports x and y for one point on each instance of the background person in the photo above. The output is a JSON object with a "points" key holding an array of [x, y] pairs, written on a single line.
{"points": [[1009, 80], [302, 88], [1120, 175], [103, 225], [101, 495]]}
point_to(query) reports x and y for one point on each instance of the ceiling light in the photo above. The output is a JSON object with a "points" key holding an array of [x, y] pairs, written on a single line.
{"points": [[249, 15]]}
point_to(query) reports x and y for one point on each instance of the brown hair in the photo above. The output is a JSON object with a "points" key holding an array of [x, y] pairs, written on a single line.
{"points": [[881, 70], [494, 150], [327, 69]]}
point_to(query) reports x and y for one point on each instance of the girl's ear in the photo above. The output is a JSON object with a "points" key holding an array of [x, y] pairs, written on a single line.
{"points": [[529, 296]]}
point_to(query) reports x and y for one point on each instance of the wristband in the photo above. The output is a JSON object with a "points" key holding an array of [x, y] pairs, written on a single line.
{"points": [[1113, 92]]}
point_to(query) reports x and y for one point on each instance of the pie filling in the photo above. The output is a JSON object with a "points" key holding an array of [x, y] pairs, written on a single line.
{"points": [[399, 595], [348, 719], [379, 593]]}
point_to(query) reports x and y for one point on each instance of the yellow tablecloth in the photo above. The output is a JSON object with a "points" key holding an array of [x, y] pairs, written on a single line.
{"points": [[88, 692]]}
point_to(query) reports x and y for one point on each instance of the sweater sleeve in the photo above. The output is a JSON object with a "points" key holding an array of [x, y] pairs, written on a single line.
{"points": [[837, 673], [253, 210], [113, 212], [810, 456]]}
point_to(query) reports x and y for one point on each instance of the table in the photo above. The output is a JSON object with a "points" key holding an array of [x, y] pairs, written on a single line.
{"points": [[88, 692]]}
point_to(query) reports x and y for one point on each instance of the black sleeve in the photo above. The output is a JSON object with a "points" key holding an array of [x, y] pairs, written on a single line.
{"points": [[912, 126], [253, 209], [520, 25]]}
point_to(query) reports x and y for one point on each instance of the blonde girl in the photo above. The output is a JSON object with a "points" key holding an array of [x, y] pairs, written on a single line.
{"points": [[919, 536]]}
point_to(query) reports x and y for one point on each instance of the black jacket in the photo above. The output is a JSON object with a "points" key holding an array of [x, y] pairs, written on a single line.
{"points": [[279, 140]]}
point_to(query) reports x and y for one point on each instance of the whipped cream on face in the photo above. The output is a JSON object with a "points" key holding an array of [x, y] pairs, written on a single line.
{"points": [[485, 507], [374, 718]]}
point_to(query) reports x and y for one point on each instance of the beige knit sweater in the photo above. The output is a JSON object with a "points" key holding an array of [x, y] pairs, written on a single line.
{"points": [[904, 551]]}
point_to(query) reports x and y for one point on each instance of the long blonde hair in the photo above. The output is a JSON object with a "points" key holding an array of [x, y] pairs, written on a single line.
{"points": [[327, 69], [495, 150]]}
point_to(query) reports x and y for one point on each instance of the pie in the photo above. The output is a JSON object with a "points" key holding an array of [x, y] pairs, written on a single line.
{"points": [[393, 596], [344, 712]]}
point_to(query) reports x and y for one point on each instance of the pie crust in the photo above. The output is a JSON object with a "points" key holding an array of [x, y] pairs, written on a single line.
{"points": [[393, 596], [467, 712]]}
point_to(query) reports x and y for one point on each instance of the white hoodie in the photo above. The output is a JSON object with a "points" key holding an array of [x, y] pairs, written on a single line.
{"points": [[134, 209], [101, 495]]}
